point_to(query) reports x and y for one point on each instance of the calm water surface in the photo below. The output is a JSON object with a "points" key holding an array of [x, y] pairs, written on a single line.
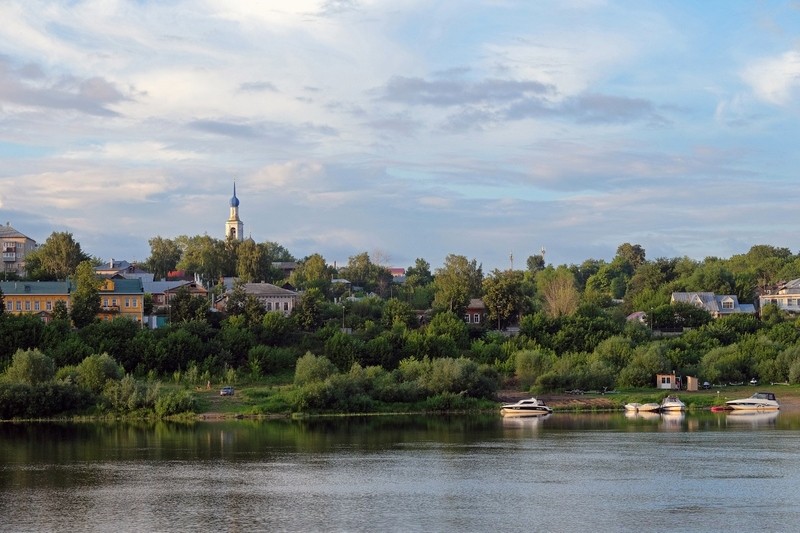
{"points": [[698, 472]]}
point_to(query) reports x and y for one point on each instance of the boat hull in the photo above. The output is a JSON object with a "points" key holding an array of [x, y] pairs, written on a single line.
{"points": [[753, 407], [524, 412]]}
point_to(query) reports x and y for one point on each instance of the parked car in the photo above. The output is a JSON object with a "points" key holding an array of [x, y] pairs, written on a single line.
{"points": [[226, 391], [706, 385], [754, 381]]}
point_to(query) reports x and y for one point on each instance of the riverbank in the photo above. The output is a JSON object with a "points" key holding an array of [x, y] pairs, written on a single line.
{"points": [[217, 407]]}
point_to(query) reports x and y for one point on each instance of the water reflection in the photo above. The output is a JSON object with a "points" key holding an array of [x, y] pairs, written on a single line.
{"points": [[405, 473]]}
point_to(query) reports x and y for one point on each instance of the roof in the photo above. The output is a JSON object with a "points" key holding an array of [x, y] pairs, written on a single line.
{"points": [[476, 303], [265, 290], [159, 287], [125, 286], [10, 288], [713, 303], [8, 231]]}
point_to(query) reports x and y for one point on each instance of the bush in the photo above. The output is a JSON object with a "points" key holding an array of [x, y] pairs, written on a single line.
{"points": [[311, 368], [30, 367], [95, 370], [175, 402], [18, 400]]}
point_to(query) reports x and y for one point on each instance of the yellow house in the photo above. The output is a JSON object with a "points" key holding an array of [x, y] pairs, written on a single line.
{"points": [[122, 298], [118, 298], [37, 297]]}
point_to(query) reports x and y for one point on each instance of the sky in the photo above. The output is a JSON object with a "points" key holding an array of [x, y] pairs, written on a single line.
{"points": [[405, 128]]}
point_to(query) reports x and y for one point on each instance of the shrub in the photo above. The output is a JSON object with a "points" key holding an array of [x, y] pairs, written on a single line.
{"points": [[95, 370], [311, 368], [30, 367], [19, 400], [175, 402]]}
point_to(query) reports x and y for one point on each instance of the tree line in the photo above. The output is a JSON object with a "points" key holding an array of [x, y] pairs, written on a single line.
{"points": [[572, 329]]}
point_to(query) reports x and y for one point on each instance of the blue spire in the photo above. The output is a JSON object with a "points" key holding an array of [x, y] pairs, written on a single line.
{"points": [[234, 200]]}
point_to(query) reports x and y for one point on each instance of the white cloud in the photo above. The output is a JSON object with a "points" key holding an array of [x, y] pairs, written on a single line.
{"points": [[775, 79]]}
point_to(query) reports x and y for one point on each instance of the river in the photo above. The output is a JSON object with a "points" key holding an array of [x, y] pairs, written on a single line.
{"points": [[566, 472]]}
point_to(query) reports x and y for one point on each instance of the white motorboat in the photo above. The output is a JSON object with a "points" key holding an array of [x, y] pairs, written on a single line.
{"points": [[528, 407], [760, 401], [672, 403], [645, 407]]}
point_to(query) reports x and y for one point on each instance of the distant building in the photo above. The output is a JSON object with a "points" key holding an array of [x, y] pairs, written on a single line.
{"points": [[271, 297], [35, 297], [475, 312], [667, 381], [122, 298], [716, 305], [122, 269], [15, 247], [786, 296], [118, 298], [234, 227]]}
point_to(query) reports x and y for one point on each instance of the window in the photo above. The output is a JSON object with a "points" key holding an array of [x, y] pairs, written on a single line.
{"points": [[19, 305], [269, 306], [9, 306], [36, 305], [476, 318], [113, 302], [466, 318], [666, 380], [727, 304], [127, 302], [134, 302], [105, 302]]}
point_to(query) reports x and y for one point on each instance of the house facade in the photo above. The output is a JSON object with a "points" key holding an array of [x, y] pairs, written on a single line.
{"points": [[271, 297], [122, 298], [716, 305], [15, 247], [475, 313], [35, 297], [785, 296], [118, 298]]}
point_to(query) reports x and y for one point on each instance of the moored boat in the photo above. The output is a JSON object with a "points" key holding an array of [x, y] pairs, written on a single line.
{"points": [[646, 407], [672, 403], [760, 401], [527, 407]]}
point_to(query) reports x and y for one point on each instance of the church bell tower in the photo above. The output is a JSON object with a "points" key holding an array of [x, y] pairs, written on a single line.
{"points": [[234, 228]]}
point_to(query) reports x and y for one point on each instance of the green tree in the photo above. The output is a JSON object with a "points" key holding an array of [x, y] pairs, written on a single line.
{"points": [[535, 263], [557, 289], [185, 307], [86, 297], [456, 282], [419, 275], [630, 255], [95, 370], [164, 257], [249, 264], [502, 295], [397, 311], [311, 369], [308, 312], [60, 311], [312, 272], [30, 367], [57, 258], [450, 326], [362, 272]]}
